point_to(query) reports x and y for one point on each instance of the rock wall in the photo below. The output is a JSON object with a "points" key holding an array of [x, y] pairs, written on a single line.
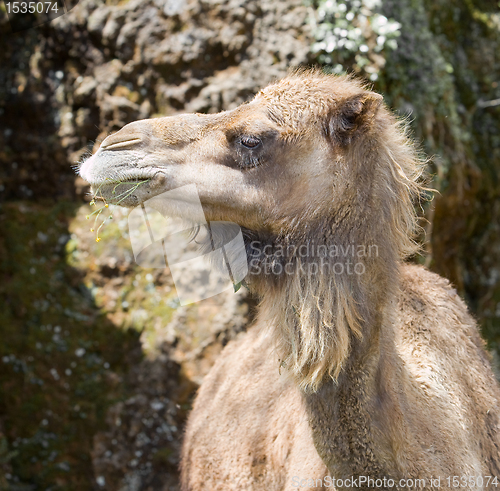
{"points": [[99, 363]]}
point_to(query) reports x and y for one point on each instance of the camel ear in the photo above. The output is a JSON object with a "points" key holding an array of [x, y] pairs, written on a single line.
{"points": [[351, 115]]}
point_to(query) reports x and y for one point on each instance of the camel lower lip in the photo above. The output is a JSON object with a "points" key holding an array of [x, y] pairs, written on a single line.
{"points": [[120, 193], [125, 192]]}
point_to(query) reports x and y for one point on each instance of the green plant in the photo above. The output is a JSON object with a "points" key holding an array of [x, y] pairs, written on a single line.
{"points": [[117, 200], [353, 34]]}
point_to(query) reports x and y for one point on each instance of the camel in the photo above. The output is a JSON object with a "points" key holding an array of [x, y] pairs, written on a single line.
{"points": [[361, 371]]}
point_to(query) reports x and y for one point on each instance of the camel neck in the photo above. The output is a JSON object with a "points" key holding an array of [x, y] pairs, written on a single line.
{"points": [[334, 335], [323, 303], [349, 416]]}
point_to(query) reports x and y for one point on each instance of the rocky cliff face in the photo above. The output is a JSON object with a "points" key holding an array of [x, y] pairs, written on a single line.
{"points": [[99, 361]]}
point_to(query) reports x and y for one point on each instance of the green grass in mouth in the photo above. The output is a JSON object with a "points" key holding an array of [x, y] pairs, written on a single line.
{"points": [[99, 197]]}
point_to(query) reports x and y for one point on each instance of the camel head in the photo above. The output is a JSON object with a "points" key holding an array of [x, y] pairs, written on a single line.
{"points": [[301, 151]]}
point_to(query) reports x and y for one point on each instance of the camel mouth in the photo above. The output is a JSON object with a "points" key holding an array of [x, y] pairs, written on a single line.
{"points": [[127, 190]]}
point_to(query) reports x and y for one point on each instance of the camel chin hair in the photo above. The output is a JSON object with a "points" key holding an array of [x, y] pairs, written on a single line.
{"points": [[358, 365]]}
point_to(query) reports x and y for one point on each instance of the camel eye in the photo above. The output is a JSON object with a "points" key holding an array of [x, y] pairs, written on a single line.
{"points": [[250, 141]]}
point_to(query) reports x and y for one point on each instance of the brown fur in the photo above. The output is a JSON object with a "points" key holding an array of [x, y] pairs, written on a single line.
{"points": [[381, 373]]}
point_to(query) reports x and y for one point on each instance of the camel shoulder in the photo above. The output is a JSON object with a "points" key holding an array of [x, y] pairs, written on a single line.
{"points": [[426, 295], [432, 316]]}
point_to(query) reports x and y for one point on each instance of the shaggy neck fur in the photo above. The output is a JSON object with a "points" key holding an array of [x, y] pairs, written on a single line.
{"points": [[321, 296]]}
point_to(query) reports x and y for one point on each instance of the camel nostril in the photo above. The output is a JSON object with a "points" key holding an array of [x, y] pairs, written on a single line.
{"points": [[130, 135], [120, 142]]}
